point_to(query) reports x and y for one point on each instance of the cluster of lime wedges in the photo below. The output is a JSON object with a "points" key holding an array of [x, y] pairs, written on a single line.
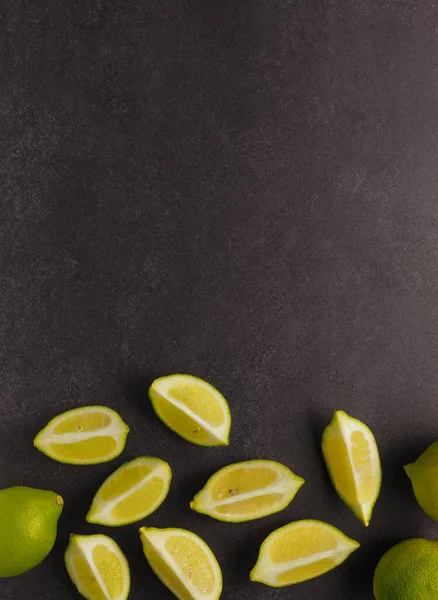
{"points": [[238, 492]]}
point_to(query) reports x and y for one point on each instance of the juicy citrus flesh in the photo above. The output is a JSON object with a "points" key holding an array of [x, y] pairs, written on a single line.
{"points": [[86, 421], [300, 551], [408, 571], [352, 458], [423, 474], [247, 490], [86, 435], [28, 526], [131, 493], [192, 408], [183, 562], [97, 567]]}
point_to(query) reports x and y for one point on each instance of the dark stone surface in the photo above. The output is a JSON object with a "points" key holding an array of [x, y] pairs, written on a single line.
{"points": [[242, 190]]}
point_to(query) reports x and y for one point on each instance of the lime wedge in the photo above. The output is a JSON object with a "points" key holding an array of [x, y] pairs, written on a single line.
{"points": [[97, 567], [301, 551], [352, 459], [247, 490], [131, 493], [183, 562], [83, 436], [192, 408]]}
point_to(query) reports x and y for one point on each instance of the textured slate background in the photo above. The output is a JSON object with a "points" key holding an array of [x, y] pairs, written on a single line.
{"points": [[242, 190]]}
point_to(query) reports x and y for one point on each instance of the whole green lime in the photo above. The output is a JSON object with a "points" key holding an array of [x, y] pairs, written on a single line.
{"points": [[408, 571], [28, 526], [423, 474]]}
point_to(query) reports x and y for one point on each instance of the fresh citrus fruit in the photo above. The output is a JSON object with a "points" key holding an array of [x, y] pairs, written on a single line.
{"points": [[408, 571], [183, 562], [247, 490], [301, 551], [131, 493], [423, 474], [83, 436], [97, 567], [28, 527], [192, 408], [350, 452]]}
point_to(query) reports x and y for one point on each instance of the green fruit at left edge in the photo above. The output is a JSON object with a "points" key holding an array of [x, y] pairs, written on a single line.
{"points": [[28, 527]]}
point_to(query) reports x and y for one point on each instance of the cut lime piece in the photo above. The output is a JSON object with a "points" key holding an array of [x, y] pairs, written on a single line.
{"points": [[83, 436], [247, 490], [97, 567], [300, 551], [192, 408], [183, 562], [352, 459], [131, 493]]}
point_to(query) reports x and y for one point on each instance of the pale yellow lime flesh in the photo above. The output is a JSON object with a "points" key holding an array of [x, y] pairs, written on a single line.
{"points": [[183, 562], [352, 459], [301, 551], [83, 436], [131, 493], [97, 567], [192, 408], [247, 490]]}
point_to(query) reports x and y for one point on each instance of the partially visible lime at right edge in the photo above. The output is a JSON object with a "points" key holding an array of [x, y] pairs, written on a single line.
{"points": [[423, 474], [408, 571], [28, 527]]}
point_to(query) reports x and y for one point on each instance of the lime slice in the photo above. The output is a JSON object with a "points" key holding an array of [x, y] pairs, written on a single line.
{"points": [[192, 408], [83, 436], [301, 551], [183, 562], [247, 490], [97, 567], [350, 452], [131, 493]]}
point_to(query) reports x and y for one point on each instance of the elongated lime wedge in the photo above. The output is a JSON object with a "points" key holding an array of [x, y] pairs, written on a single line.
{"points": [[247, 490], [301, 551], [83, 436], [352, 459]]}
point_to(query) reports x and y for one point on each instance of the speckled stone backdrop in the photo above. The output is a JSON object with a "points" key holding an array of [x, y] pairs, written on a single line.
{"points": [[245, 190]]}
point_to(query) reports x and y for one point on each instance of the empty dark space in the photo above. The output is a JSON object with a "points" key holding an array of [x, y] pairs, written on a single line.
{"points": [[243, 190]]}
